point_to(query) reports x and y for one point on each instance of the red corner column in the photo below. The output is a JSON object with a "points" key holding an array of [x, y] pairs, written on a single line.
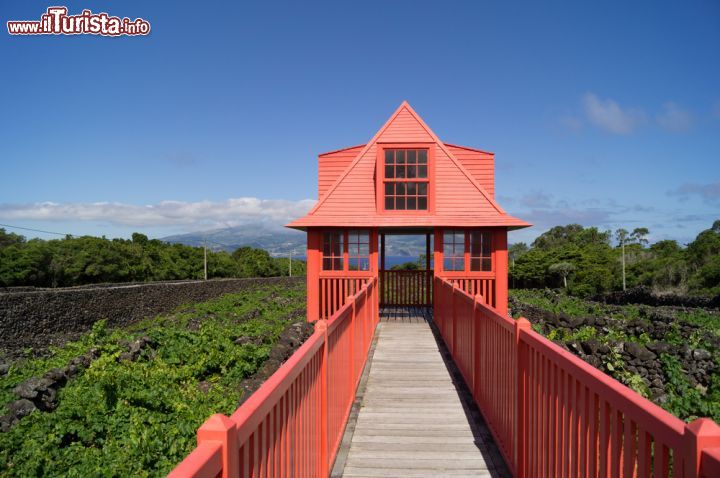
{"points": [[314, 243], [501, 270]]}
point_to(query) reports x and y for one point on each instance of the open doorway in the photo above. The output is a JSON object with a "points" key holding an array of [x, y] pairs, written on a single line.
{"points": [[406, 268]]}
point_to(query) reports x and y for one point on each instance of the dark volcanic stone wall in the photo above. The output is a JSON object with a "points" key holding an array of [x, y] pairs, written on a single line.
{"points": [[44, 317], [645, 295]]}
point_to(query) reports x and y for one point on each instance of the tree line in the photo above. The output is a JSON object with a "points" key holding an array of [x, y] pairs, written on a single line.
{"points": [[586, 261], [90, 260]]}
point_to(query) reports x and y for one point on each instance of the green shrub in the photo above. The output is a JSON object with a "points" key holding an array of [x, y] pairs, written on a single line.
{"points": [[122, 418]]}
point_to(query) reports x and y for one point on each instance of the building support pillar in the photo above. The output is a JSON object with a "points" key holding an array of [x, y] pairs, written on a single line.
{"points": [[501, 270], [314, 259]]}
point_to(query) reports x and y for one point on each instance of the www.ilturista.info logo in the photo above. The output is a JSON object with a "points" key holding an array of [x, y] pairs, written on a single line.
{"points": [[57, 22]]}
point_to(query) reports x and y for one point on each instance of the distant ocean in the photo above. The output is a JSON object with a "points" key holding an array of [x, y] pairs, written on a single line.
{"points": [[395, 260], [389, 260]]}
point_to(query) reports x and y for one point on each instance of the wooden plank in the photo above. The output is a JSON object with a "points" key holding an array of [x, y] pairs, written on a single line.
{"points": [[412, 421]]}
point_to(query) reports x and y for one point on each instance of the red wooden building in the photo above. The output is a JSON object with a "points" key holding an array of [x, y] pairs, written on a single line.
{"points": [[405, 180]]}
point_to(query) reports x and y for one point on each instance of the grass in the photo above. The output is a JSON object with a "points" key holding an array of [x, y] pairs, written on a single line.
{"points": [[122, 418]]}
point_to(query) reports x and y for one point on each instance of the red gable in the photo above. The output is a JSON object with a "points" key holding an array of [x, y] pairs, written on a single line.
{"points": [[457, 194]]}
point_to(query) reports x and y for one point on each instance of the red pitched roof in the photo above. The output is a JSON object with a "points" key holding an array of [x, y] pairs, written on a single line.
{"points": [[460, 199]]}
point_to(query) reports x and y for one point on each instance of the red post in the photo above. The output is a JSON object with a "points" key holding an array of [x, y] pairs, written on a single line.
{"points": [[219, 428], [452, 322], [376, 309], [313, 274], [501, 271], [321, 326], [520, 397], [700, 434], [476, 331], [352, 345], [428, 276], [366, 320]]}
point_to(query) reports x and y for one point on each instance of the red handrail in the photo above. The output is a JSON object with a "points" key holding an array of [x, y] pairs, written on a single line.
{"points": [[205, 461], [552, 414], [293, 424], [710, 463]]}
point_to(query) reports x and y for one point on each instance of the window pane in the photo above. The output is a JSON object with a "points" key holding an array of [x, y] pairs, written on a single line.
{"points": [[487, 264], [454, 264], [422, 172], [389, 156], [363, 236], [411, 188], [400, 171], [474, 264], [476, 242], [389, 203], [412, 171], [411, 203], [400, 156], [455, 236], [422, 189], [412, 156], [353, 249], [400, 203], [422, 203], [389, 188], [389, 172], [422, 156], [400, 188], [364, 249], [364, 264], [327, 264], [448, 250], [337, 249], [326, 248], [338, 264], [487, 245]]}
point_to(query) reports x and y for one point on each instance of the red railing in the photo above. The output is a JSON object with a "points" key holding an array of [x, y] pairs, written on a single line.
{"points": [[552, 414], [484, 287], [710, 463], [406, 288], [293, 424], [335, 291]]}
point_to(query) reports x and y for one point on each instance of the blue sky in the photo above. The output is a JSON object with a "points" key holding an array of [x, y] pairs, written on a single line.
{"points": [[606, 114]]}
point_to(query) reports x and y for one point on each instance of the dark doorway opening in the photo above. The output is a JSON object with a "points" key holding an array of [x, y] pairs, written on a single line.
{"points": [[406, 268]]}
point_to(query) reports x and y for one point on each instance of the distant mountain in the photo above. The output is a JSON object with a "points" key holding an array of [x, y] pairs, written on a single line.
{"points": [[279, 242]]}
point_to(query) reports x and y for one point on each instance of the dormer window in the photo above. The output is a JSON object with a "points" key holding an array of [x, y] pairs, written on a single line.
{"points": [[405, 180]]}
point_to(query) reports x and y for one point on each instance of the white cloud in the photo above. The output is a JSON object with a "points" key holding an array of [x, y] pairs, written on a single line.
{"points": [[235, 211], [709, 193], [674, 119], [608, 115]]}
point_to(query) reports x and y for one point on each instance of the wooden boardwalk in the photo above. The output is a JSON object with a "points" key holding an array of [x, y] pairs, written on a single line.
{"points": [[412, 417]]}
